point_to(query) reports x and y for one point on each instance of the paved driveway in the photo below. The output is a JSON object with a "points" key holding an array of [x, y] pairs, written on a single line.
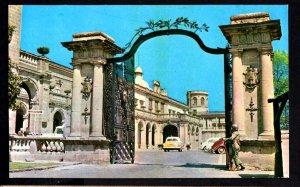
{"points": [[151, 164]]}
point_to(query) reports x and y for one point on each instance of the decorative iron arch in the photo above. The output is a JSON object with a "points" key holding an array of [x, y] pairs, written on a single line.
{"points": [[119, 76], [154, 34]]}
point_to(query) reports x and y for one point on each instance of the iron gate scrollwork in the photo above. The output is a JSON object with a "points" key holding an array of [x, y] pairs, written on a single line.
{"points": [[119, 94], [119, 103]]}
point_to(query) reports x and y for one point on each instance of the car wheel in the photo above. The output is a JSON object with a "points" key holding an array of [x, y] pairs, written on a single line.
{"points": [[221, 150], [206, 149], [165, 150]]}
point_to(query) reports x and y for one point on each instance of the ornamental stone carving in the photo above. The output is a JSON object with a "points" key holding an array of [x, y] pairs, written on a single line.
{"points": [[87, 87], [251, 80]]}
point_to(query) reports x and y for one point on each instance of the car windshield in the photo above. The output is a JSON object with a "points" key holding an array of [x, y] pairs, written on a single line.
{"points": [[171, 139], [59, 131]]}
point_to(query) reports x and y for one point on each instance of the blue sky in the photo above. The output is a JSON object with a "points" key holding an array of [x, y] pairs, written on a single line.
{"points": [[176, 61]]}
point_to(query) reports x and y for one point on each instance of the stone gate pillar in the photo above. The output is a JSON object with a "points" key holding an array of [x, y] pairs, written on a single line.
{"points": [[250, 37], [90, 51]]}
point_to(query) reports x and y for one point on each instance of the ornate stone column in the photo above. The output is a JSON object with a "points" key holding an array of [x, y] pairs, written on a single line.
{"points": [[186, 140], [238, 91], [97, 108], [150, 138], [267, 92], [76, 102], [250, 37], [143, 138], [90, 51]]}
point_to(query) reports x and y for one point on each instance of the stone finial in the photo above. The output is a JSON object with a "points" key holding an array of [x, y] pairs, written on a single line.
{"points": [[250, 18]]}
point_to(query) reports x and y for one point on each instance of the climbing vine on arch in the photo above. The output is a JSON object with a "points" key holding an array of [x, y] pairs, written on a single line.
{"points": [[167, 25]]}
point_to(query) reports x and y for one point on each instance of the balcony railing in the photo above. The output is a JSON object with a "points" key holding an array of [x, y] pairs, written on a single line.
{"points": [[39, 144], [168, 117], [28, 58]]}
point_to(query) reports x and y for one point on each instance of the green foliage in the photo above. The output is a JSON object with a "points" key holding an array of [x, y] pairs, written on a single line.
{"points": [[14, 80], [14, 90], [280, 70], [11, 30], [24, 165], [43, 50], [161, 24]]}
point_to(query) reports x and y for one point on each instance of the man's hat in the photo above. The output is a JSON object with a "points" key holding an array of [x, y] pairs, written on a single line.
{"points": [[234, 127]]}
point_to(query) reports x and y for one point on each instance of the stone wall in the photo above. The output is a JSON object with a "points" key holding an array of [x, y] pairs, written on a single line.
{"points": [[14, 19]]}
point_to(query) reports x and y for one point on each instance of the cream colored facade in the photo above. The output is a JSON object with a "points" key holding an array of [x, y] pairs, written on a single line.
{"points": [[158, 116], [47, 90], [45, 95]]}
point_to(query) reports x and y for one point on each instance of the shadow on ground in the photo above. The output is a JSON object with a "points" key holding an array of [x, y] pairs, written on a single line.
{"points": [[256, 176], [201, 165]]}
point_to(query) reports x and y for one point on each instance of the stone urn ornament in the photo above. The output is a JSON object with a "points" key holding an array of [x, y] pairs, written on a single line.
{"points": [[43, 50]]}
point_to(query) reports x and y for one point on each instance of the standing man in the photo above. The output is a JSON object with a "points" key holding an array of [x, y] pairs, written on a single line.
{"points": [[234, 147]]}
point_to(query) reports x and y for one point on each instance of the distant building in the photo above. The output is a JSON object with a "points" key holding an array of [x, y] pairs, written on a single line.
{"points": [[46, 95], [158, 116]]}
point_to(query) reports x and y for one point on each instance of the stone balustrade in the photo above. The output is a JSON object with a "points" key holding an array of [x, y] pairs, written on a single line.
{"points": [[168, 117], [28, 58], [19, 144], [36, 144]]}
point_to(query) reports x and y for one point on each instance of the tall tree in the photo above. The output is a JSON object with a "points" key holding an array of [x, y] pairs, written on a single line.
{"points": [[13, 79], [280, 70]]}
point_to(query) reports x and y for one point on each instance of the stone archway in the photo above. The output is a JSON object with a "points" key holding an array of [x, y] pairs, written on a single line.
{"points": [[23, 101], [57, 120], [19, 120], [154, 134], [169, 130]]}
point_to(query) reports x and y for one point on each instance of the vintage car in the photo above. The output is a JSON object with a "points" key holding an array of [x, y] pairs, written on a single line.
{"points": [[173, 143], [58, 132], [206, 145], [219, 146]]}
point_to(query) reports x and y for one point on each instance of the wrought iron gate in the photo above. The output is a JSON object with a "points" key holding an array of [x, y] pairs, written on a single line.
{"points": [[119, 103], [119, 95]]}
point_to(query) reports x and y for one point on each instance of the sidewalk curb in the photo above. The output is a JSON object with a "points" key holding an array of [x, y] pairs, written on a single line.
{"points": [[44, 167]]}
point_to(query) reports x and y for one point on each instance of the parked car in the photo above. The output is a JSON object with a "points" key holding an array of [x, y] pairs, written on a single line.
{"points": [[173, 143], [218, 146], [206, 145], [58, 132]]}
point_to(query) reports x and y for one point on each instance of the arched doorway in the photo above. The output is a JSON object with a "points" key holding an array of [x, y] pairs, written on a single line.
{"points": [[57, 120], [19, 120], [169, 130], [23, 103], [147, 135], [153, 135]]}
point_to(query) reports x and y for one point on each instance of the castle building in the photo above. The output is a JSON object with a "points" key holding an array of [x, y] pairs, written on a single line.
{"points": [[46, 96], [158, 116]]}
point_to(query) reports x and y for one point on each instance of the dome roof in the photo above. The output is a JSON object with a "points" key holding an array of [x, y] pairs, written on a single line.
{"points": [[139, 78], [138, 70]]}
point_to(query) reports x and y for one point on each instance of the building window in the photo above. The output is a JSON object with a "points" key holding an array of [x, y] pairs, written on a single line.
{"points": [[150, 104], [162, 107], [156, 106], [202, 101], [194, 112], [194, 101]]}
